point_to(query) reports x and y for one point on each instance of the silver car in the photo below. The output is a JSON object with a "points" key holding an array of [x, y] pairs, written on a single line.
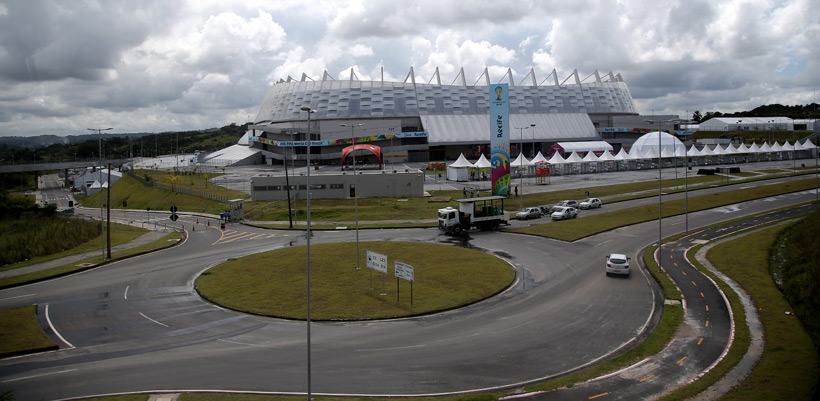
{"points": [[617, 263], [528, 213], [589, 203], [564, 212]]}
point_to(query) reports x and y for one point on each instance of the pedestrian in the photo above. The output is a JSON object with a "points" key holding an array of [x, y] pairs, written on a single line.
{"points": [[464, 191], [516, 190]]}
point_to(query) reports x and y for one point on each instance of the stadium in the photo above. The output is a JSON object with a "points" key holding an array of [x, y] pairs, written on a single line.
{"points": [[412, 121]]}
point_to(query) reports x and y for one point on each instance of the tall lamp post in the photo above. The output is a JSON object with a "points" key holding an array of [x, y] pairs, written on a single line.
{"points": [[309, 111], [521, 154], [355, 189], [532, 151], [99, 134], [660, 192]]}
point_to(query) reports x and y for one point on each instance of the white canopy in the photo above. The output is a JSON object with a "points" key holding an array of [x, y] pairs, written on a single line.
{"points": [[667, 153], [719, 150], [590, 157], [754, 148], [462, 162], [776, 147], [482, 162], [805, 145], [586, 146], [650, 141], [520, 161], [539, 158], [650, 154], [557, 158], [680, 151], [606, 156], [788, 146], [765, 148], [622, 155], [574, 158]]}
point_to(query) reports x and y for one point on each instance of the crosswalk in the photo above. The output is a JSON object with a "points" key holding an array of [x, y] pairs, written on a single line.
{"points": [[237, 235]]}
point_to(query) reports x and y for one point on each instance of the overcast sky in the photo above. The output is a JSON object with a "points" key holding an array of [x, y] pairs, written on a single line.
{"points": [[154, 66]]}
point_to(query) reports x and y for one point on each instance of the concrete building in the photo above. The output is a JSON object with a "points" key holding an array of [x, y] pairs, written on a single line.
{"points": [[371, 184]]}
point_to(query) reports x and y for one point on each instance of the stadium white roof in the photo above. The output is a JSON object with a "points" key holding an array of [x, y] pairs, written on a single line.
{"points": [[472, 128]]}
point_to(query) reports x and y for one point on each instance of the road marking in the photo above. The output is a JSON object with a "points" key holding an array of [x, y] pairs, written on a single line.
{"points": [[707, 308], [260, 235], [681, 360], [700, 341], [646, 378], [40, 375], [57, 333], [675, 263], [602, 243], [125, 295], [596, 396], [707, 323], [19, 296], [159, 323], [684, 273], [694, 283], [702, 296]]}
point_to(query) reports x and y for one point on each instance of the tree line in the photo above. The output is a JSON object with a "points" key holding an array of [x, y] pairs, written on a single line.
{"points": [[809, 111]]}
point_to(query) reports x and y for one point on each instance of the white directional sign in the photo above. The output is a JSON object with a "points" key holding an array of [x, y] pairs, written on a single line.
{"points": [[377, 261], [404, 271]]}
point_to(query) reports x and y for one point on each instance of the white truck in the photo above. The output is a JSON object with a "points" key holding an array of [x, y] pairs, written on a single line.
{"points": [[484, 213]]}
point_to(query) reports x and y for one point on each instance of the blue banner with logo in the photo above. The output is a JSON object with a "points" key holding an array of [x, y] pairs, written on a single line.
{"points": [[500, 139]]}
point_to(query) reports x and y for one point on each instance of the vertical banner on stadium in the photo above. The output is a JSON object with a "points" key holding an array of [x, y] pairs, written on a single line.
{"points": [[500, 139]]}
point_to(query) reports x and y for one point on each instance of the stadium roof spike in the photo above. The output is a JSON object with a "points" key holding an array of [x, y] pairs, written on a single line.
{"points": [[486, 75], [554, 75], [611, 77], [619, 78], [281, 81], [463, 79], [529, 74], [353, 74], [411, 76], [594, 73], [290, 79], [326, 76], [436, 76], [597, 76], [510, 77], [305, 77], [575, 74]]}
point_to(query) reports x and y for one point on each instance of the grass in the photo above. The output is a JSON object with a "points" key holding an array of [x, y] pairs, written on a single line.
{"points": [[140, 197], [571, 230], [20, 332], [164, 242], [190, 180], [256, 284], [27, 237], [120, 234]]}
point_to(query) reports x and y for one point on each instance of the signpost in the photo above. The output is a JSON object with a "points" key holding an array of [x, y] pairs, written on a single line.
{"points": [[377, 261], [174, 215], [404, 271]]}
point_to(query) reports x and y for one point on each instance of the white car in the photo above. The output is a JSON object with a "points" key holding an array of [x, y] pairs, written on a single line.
{"points": [[617, 263], [590, 203], [528, 213], [564, 212]]}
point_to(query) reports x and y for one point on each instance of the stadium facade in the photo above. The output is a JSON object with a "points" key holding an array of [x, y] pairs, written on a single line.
{"points": [[412, 121]]}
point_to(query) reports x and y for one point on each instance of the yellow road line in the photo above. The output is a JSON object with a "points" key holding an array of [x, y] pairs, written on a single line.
{"points": [[694, 283], [702, 296], [681, 360], [707, 323], [646, 378], [707, 308], [700, 341], [596, 396]]}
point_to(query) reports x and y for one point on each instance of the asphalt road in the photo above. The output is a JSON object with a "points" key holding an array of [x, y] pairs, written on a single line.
{"points": [[138, 325]]}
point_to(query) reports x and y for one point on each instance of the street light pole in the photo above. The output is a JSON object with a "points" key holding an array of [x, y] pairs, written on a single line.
{"points": [[532, 151], [660, 193], [355, 189], [307, 181], [521, 156], [99, 134]]}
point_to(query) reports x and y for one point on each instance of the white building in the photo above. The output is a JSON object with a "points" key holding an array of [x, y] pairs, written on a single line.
{"points": [[747, 124]]}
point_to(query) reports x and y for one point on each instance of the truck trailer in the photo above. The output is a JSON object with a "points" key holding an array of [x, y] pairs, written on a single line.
{"points": [[484, 213]]}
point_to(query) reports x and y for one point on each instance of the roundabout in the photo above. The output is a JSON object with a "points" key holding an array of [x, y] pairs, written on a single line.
{"points": [[273, 283]]}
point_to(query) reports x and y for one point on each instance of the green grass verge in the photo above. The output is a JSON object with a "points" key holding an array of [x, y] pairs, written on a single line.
{"points": [[120, 234], [190, 180], [571, 230], [256, 397], [273, 283], [140, 197], [164, 242], [20, 332]]}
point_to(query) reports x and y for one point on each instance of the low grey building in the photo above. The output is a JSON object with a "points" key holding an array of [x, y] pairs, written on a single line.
{"points": [[370, 184]]}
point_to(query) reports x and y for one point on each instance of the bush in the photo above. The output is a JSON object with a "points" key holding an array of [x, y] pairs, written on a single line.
{"points": [[32, 235]]}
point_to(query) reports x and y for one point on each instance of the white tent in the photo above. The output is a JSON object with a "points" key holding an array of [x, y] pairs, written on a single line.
{"points": [[459, 171], [707, 151], [586, 146], [539, 158], [650, 154], [557, 158], [574, 158], [754, 148], [650, 141], [719, 150], [590, 157], [520, 161], [765, 148], [606, 156], [787, 146], [680, 151], [667, 153], [622, 155], [482, 162]]}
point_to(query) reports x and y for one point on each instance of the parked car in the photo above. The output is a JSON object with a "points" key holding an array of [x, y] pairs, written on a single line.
{"points": [[564, 212], [565, 203], [590, 203], [528, 213], [617, 263]]}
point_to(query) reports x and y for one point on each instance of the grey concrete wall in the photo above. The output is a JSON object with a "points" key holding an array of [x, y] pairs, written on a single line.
{"points": [[380, 184]]}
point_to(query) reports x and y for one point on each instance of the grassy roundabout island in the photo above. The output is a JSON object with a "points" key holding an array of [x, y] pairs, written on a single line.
{"points": [[274, 283]]}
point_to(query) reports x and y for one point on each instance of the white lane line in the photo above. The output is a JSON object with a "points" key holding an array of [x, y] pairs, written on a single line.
{"points": [[19, 296], [159, 323], [51, 326], [40, 375], [241, 343], [603, 242], [125, 295]]}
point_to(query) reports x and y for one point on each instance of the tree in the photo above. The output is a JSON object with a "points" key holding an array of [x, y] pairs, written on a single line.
{"points": [[697, 117]]}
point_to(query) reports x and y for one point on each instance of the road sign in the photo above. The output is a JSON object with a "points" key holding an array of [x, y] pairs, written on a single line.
{"points": [[173, 209], [404, 271], [377, 261], [174, 216]]}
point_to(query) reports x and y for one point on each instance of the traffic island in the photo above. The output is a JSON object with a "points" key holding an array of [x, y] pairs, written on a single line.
{"points": [[274, 283]]}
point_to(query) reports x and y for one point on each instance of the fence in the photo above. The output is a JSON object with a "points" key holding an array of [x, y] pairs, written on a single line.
{"points": [[186, 191]]}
